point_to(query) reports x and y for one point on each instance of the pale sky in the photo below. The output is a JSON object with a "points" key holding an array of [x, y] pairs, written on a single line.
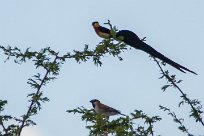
{"points": [[175, 28], [31, 131]]}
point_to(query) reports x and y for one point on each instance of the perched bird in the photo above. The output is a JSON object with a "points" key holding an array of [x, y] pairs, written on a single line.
{"points": [[134, 41], [104, 109]]}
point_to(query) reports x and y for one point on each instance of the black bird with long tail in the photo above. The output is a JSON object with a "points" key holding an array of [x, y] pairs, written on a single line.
{"points": [[133, 40]]}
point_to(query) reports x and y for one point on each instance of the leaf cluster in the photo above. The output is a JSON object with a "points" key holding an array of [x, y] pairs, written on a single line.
{"points": [[98, 124]]}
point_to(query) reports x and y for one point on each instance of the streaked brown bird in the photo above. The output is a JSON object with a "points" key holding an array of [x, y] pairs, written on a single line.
{"points": [[101, 108]]}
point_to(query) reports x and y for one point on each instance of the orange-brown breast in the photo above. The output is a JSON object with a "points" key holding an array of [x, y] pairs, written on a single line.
{"points": [[101, 34]]}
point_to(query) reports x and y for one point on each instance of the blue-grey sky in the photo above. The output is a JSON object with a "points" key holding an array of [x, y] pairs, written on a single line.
{"points": [[175, 28]]}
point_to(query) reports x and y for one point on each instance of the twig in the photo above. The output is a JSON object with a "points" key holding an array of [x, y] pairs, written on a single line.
{"points": [[177, 120]]}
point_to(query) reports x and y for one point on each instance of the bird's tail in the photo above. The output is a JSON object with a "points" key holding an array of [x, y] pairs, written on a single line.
{"points": [[123, 114], [148, 49]]}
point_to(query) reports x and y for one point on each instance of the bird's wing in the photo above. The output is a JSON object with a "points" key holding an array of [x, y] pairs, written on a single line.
{"points": [[104, 30], [107, 108]]}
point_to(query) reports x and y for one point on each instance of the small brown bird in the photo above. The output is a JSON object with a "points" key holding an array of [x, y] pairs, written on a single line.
{"points": [[104, 109]]}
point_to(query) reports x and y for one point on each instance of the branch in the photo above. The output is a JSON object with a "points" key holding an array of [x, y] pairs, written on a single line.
{"points": [[33, 101], [196, 113]]}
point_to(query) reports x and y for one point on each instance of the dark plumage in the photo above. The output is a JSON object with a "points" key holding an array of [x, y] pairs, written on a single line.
{"points": [[133, 40]]}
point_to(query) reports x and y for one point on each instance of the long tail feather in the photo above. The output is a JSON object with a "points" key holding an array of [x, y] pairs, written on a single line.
{"points": [[148, 49], [133, 40]]}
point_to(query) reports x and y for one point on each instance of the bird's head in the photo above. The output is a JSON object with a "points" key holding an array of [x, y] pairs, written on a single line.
{"points": [[94, 102], [95, 24]]}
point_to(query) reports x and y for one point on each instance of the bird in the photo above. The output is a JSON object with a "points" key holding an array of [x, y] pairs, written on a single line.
{"points": [[101, 108], [130, 38]]}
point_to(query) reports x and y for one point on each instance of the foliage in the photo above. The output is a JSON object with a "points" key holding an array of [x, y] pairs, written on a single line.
{"points": [[122, 126], [51, 61]]}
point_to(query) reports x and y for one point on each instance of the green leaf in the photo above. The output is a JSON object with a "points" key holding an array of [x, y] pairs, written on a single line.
{"points": [[165, 87]]}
